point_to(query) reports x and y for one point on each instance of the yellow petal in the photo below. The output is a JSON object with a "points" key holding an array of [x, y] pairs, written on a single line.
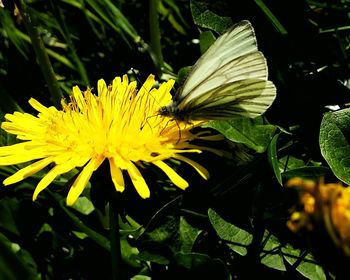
{"points": [[173, 176], [51, 175], [117, 176], [82, 180], [37, 105], [138, 181], [27, 171], [199, 168], [13, 149], [101, 87], [78, 97]]}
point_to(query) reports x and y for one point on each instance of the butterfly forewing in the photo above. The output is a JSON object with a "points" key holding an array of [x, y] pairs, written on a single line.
{"points": [[230, 79], [238, 41]]}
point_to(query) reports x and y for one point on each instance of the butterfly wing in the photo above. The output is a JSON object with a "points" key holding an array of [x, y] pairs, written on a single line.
{"points": [[226, 51], [251, 98], [249, 66]]}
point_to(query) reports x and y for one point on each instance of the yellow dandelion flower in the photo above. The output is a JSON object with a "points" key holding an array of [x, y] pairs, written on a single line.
{"points": [[120, 124]]}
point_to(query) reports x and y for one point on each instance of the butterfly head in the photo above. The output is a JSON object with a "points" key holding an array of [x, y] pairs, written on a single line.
{"points": [[169, 111]]}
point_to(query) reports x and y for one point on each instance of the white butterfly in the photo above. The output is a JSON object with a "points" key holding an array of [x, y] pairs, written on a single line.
{"points": [[228, 80]]}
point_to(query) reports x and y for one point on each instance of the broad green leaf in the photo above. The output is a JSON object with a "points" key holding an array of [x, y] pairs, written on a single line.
{"points": [[207, 19], [307, 172], [273, 160], [251, 132], [334, 142], [239, 239], [206, 40], [188, 235], [306, 266], [129, 253], [311, 271], [83, 205], [176, 233], [271, 255], [289, 163]]}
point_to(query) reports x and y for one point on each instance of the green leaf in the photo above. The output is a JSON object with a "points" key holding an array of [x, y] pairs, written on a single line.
{"points": [[289, 163], [176, 233], [251, 132], [239, 238], [83, 205], [273, 160], [207, 19], [182, 74], [307, 172], [141, 277], [334, 142], [307, 266], [129, 253], [15, 263], [271, 255], [152, 257], [201, 265], [188, 235], [206, 40], [277, 24]]}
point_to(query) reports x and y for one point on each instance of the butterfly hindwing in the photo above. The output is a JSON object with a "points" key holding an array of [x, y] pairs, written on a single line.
{"points": [[250, 66]]}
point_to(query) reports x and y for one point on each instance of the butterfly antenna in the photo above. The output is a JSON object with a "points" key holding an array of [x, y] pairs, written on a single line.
{"points": [[135, 72]]}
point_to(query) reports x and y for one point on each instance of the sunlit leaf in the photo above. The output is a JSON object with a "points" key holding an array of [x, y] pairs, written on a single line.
{"points": [[251, 132], [306, 263], [203, 17], [334, 142], [271, 255], [238, 239], [206, 40], [83, 205]]}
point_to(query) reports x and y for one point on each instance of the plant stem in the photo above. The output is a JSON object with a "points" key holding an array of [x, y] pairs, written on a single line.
{"points": [[155, 36], [115, 239], [41, 54]]}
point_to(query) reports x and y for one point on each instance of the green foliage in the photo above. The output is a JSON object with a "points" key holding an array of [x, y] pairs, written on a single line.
{"points": [[251, 132], [334, 142], [230, 227]]}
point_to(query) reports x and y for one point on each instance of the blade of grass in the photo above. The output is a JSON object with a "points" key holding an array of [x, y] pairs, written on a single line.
{"points": [[60, 58], [41, 54], [276, 23]]}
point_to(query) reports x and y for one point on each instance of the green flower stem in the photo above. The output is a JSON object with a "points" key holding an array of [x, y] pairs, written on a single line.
{"points": [[41, 54], [155, 35], [115, 238]]}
